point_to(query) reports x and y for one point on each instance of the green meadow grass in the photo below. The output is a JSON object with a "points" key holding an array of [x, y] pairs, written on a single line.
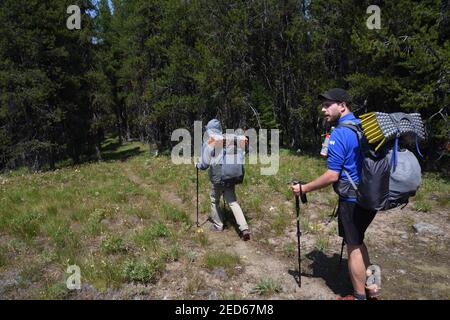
{"points": [[226, 260], [268, 287], [120, 228]]}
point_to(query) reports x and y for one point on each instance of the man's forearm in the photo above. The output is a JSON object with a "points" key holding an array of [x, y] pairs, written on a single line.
{"points": [[323, 181]]}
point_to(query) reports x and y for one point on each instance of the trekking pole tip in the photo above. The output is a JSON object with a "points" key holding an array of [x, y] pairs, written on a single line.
{"points": [[199, 230]]}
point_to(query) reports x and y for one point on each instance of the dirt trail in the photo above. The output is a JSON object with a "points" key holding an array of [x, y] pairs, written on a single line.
{"points": [[135, 178], [412, 263], [258, 262]]}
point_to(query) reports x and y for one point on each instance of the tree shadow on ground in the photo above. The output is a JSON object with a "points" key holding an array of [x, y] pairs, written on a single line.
{"points": [[328, 268], [322, 266], [111, 146], [123, 155]]}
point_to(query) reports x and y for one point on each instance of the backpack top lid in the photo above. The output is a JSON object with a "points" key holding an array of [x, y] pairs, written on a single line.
{"points": [[379, 127]]}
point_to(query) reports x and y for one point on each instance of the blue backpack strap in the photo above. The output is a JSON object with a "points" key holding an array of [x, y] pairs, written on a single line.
{"points": [[417, 146], [394, 151]]}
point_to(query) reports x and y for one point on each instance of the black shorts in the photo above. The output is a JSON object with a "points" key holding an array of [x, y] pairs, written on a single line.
{"points": [[353, 222]]}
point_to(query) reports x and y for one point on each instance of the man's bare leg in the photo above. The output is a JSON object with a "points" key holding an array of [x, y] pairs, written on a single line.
{"points": [[365, 255], [356, 268]]}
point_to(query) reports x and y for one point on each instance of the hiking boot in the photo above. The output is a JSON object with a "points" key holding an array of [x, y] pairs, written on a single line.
{"points": [[348, 297], [245, 235], [354, 296], [215, 228]]}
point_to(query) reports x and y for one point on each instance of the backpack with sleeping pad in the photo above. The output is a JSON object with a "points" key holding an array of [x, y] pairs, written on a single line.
{"points": [[223, 154], [233, 160], [389, 174], [229, 170]]}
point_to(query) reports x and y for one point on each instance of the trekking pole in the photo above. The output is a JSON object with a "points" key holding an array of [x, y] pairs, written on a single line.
{"points": [[199, 225], [342, 251], [197, 196], [299, 233]]}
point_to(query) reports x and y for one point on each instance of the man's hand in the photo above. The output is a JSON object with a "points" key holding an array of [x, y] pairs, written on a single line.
{"points": [[197, 165], [216, 141], [242, 142], [296, 188], [324, 180]]}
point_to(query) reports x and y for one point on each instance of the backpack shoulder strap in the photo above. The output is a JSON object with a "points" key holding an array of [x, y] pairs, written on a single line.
{"points": [[356, 128]]}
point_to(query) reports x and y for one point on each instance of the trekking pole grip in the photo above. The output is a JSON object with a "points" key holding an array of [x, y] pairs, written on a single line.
{"points": [[302, 195]]}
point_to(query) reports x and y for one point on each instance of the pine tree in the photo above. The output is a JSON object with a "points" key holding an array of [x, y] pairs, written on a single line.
{"points": [[44, 93], [404, 65]]}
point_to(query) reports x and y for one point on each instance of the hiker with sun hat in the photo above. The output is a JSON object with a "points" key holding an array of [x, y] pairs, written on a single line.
{"points": [[223, 174]]}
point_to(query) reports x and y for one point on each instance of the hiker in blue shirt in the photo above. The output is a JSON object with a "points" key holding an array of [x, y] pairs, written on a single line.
{"points": [[343, 154], [344, 159]]}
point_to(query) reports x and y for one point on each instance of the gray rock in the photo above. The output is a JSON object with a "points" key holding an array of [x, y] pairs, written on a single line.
{"points": [[288, 203], [423, 227], [434, 196], [220, 273], [134, 219], [7, 283], [212, 295]]}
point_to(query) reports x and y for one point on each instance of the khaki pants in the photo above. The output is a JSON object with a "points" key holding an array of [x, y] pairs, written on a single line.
{"points": [[230, 197]]}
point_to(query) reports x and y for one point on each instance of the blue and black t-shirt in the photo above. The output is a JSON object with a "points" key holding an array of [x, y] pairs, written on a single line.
{"points": [[343, 152]]}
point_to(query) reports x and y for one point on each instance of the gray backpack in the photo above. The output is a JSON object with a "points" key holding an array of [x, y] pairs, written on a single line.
{"points": [[389, 176], [230, 171], [232, 163], [405, 179]]}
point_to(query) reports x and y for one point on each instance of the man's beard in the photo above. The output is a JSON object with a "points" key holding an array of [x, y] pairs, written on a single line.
{"points": [[330, 120], [328, 124]]}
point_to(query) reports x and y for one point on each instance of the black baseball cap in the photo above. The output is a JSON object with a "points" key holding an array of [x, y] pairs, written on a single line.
{"points": [[336, 94]]}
